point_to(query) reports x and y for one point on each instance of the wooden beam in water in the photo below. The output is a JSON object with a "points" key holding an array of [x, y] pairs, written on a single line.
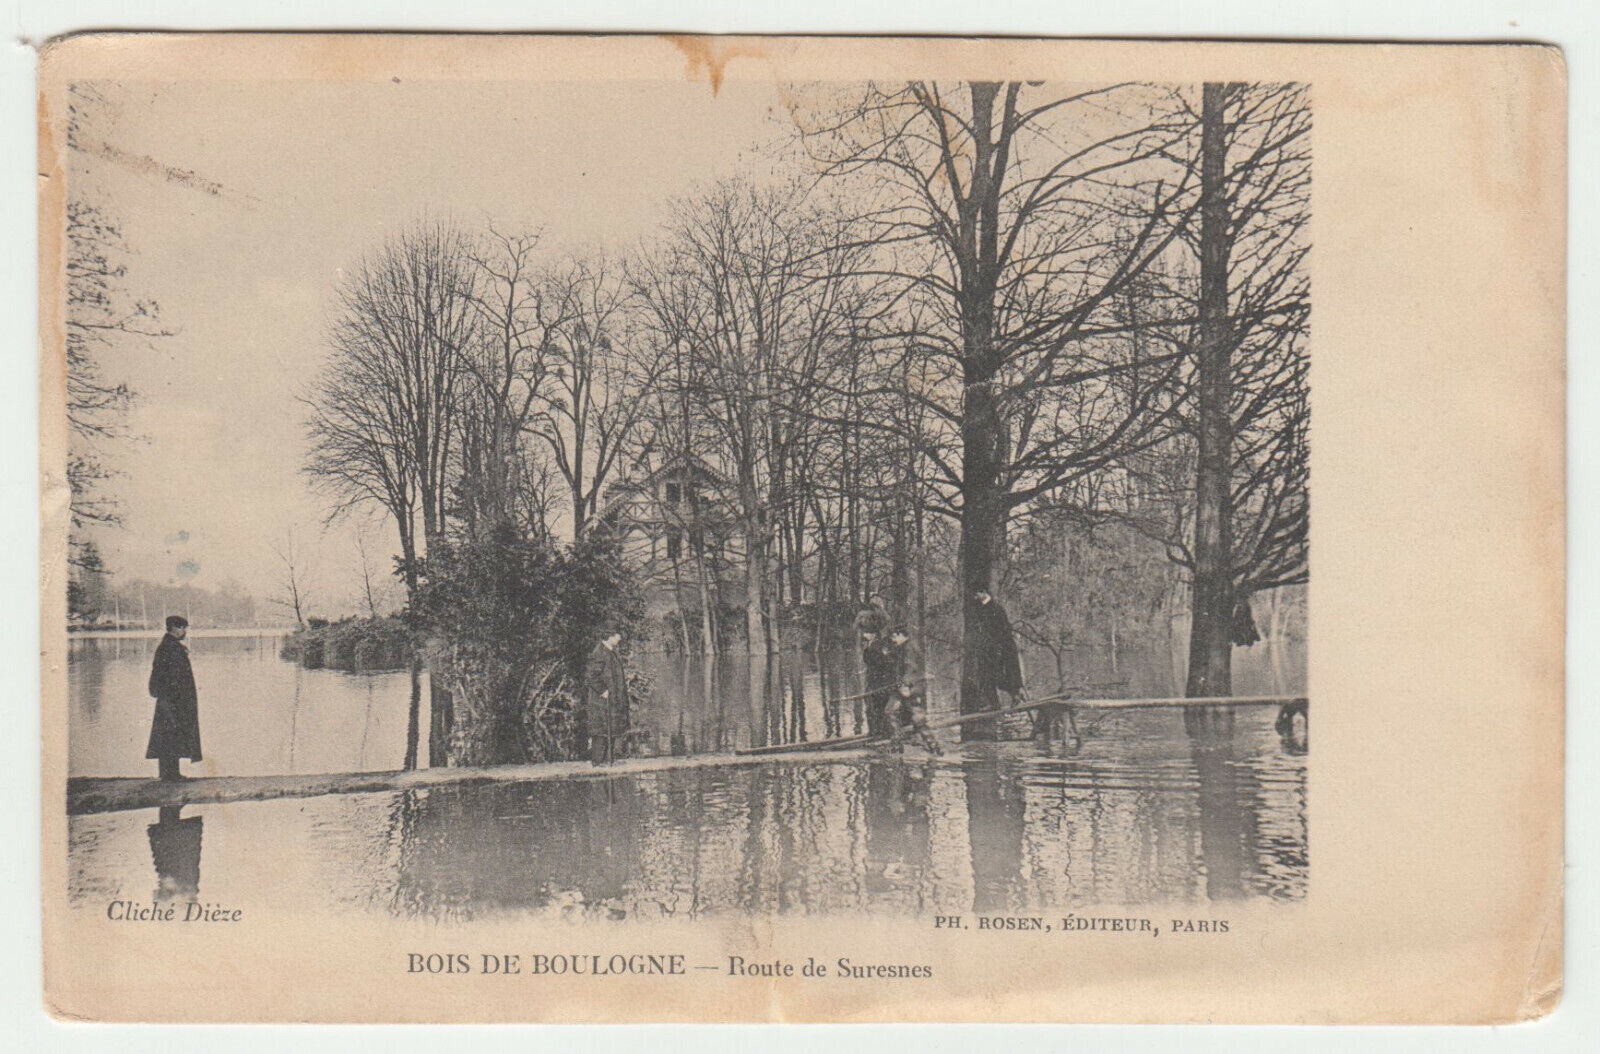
{"points": [[1035, 704], [94, 794], [87, 794]]}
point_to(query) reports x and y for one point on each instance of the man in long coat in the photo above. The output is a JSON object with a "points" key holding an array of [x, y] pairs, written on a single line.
{"points": [[605, 699], [880, 664], [175, 726], [999, 666]]}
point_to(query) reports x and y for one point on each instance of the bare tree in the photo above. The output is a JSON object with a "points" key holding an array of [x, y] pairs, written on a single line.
{"points": [[1013, 216], [600, 373], [746, 285], [1250, 413], [383, 413], [103, 315], [293, 591], [500, 478], [364, 554]]}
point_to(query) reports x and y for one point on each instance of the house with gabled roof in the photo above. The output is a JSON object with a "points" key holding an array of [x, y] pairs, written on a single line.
{"points": [[680, 534]]}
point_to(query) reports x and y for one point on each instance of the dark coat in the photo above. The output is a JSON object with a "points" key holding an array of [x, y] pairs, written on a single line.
{"points": [[606, 693], [999, 665], [175, 726], [175, 848], [880, 661], [1244, 631]]}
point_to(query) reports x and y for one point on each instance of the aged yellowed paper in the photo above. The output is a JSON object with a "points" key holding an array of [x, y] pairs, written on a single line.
{"points": [[744, 529]]}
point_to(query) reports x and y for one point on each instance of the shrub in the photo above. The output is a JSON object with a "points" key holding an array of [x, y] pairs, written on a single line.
{"points": [[353, 645], [510, 620]]}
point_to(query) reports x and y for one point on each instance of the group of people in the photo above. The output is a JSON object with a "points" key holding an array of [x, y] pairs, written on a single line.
{"points": [[895, 682], [895, 679], [896, 704]]}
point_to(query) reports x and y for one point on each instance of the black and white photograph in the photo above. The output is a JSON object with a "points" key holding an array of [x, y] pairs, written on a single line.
{"points": [[597, 502]]}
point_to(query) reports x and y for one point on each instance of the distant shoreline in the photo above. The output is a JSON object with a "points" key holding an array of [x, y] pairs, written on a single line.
{"points": [[152, 634]]}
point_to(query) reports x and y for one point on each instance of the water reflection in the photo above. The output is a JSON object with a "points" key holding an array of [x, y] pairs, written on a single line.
{"points": [[1151, 811], [175, 850]]}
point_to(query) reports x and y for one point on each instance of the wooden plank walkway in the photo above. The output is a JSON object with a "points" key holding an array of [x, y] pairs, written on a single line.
{"points": [[95, 794]]}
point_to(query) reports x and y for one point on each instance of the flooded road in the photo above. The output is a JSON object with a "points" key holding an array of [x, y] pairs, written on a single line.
{"points": [[259, 715], [263, 716], [1151, 809], [995, 828]]}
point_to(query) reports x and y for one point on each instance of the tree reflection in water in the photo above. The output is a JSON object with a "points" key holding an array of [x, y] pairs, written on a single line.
{"points": [[992, 832]]}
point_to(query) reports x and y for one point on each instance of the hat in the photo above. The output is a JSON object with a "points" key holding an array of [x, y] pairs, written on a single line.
{"points": [[177, 622]]}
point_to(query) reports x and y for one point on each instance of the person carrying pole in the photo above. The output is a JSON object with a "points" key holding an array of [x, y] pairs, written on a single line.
{"points": [[907, 656]]}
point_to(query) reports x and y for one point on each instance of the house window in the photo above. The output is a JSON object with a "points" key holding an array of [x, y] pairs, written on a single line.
{"points": [[672, 494], [674, 544]]}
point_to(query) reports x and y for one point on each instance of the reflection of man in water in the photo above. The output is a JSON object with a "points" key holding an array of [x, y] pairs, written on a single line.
{"points": [[898, 846], [996, 826], [175, 726], [175, 848]]}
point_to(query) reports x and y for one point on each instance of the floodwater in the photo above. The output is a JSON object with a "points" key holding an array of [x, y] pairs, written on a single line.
{"points": [[1148, 813], [262, 716], [259, 715], [1152, 808]]}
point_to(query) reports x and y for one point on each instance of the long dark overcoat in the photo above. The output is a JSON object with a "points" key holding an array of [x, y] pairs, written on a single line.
{"points": [[999, 665], [175, 727], [880, 662], [605, 693]]}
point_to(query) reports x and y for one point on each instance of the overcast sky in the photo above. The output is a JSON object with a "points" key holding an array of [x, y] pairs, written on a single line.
{"points": [[310, 177]]}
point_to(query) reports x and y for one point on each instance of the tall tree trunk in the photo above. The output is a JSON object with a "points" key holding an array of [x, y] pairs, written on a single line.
{"points": [[982, 429], [441, 719], [755, 560], [1210, 634], [408, 553], [413, 731]]}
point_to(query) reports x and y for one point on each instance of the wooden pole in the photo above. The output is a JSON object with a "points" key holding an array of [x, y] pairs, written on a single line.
{"points": [[1064, 699], [886, 688]]}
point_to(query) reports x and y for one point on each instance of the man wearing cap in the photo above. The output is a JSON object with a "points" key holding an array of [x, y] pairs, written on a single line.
{"points": [[175, 727]]}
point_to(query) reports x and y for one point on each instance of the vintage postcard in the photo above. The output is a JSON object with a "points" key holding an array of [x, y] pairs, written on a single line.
{"points": [[756, 529]]}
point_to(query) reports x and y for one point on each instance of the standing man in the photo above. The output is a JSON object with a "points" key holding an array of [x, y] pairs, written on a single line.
{"points": [[175, 727], [880, 667], [999, 666], [605, 699]]}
